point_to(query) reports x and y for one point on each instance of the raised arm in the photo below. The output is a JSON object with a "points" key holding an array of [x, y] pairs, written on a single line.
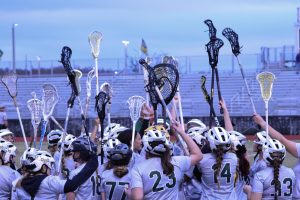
{"points": [[227, 120], [195, 153], [289, 145]]}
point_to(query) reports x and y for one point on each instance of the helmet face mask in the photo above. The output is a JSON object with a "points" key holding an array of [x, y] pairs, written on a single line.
{"points": [[108, 146], [120, 155], [155, 140], [54, 137], [272, 149]]}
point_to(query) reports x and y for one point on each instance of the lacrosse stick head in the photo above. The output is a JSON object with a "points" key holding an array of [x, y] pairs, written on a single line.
{"points": [[10, 82], [167, 80], [94, 40], [89, 79], [212, 48], [49, 99], [101, 101], [211, 28], [106, 87], [76, 83], [148, 60], [233, 38], [266, 80], [66, 54], [35, 107], [135, 104]]}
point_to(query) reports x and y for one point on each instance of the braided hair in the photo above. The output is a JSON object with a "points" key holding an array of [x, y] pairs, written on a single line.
{"points": [[219, 152], [244, 165], [276, 163]]}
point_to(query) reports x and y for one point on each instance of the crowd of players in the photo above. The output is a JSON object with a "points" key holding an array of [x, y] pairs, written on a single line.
{"points": [[216, 166]]}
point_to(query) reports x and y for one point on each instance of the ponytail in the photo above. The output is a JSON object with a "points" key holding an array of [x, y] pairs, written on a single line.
{"points": [[276, 165], [259, 150], [219, 152], [244, 166]]}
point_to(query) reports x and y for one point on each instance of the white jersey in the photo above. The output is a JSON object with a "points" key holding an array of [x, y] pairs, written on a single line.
{"points": [[149, 176], [49, 189], [113, 186], [296, 169], [239, 189], [258, 165], [211, 190], [90, 189], [3, 117], [7, 176], [263, 183]]}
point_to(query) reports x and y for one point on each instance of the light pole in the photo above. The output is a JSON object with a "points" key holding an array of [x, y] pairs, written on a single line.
{"points": [[13, 47], [39, 64], [125, 42]]}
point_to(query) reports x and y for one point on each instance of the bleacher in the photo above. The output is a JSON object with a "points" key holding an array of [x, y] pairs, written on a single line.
{"points": [[284, 101]]}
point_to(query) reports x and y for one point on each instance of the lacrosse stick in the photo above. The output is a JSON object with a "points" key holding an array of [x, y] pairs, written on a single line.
{"points": [[266, 80], [49, 100], [174, 62], [106, 87], [135, 105], [89, 79], [207, 98], [35, 107], [212, 30], [213, 47], [159, 77], [10, 82], [95, 40], [74, 78], [101, 101], [233, 38]]}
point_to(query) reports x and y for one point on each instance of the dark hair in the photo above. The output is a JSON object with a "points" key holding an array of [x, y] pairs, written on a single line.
{"points": [[276, 162], [166, 164], [219, 152], [126, 136], [259, 149], [244, 165]]}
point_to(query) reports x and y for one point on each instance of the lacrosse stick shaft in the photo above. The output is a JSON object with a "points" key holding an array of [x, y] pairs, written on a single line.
{"points": [[219, 88], [147, 99], [44, 128], [67, 118], [267, 118], [133, 134], [171, 120], [176, 112], [86, 106], [211, 97], [247, 87], [180, 110], [34, 136], [97, 75], [21, 125]]}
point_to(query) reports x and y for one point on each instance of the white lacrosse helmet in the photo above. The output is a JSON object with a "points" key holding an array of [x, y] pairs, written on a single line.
{"points": [[41, 158], [155, 141], [273, 146], [161, 121], [197, 122], [28, 156], [68, 141], [54, 137], [5, 132], [236, 139], [8, 149], [196, 134], [261, 137], [218, 136], [113, 131], [109, 145]]}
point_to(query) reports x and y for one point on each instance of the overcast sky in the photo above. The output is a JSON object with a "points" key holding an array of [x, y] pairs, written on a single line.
{"points": [[174, 27]]}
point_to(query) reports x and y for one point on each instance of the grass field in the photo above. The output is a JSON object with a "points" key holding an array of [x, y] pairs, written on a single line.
{"points": [[289, 161]]}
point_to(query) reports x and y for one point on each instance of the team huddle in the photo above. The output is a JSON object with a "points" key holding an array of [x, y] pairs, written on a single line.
{"points": [[212, 165]]}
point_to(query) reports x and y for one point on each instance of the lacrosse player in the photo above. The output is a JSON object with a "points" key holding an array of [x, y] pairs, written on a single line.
{"points": [[159, 176], [116, 181], [276, 181]]}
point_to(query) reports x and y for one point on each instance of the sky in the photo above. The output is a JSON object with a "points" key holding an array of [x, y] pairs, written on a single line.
{"points": [[173, 27]]}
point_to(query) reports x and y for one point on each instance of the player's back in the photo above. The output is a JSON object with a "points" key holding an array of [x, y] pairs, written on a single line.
{"points": [[263, 183], [221, 187], [7, 176]]}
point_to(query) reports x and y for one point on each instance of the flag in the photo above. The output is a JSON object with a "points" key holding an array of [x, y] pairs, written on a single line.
{"points": [[144, 48]]}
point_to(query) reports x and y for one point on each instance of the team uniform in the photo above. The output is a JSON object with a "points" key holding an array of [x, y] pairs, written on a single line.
{"points": [[258, 165], [156, 185], [239, 189], [210, 187], [7, 176], [113, 186], [296, 169], [263, 183]]}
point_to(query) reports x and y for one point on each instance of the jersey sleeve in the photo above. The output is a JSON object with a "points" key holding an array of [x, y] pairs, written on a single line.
{"points": [[56, 184], [136, 178], [183, 162], [298, 149], [257, 185]]}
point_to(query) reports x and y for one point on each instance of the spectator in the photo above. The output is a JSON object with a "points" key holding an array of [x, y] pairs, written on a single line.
{"points": [[3, 117]]}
